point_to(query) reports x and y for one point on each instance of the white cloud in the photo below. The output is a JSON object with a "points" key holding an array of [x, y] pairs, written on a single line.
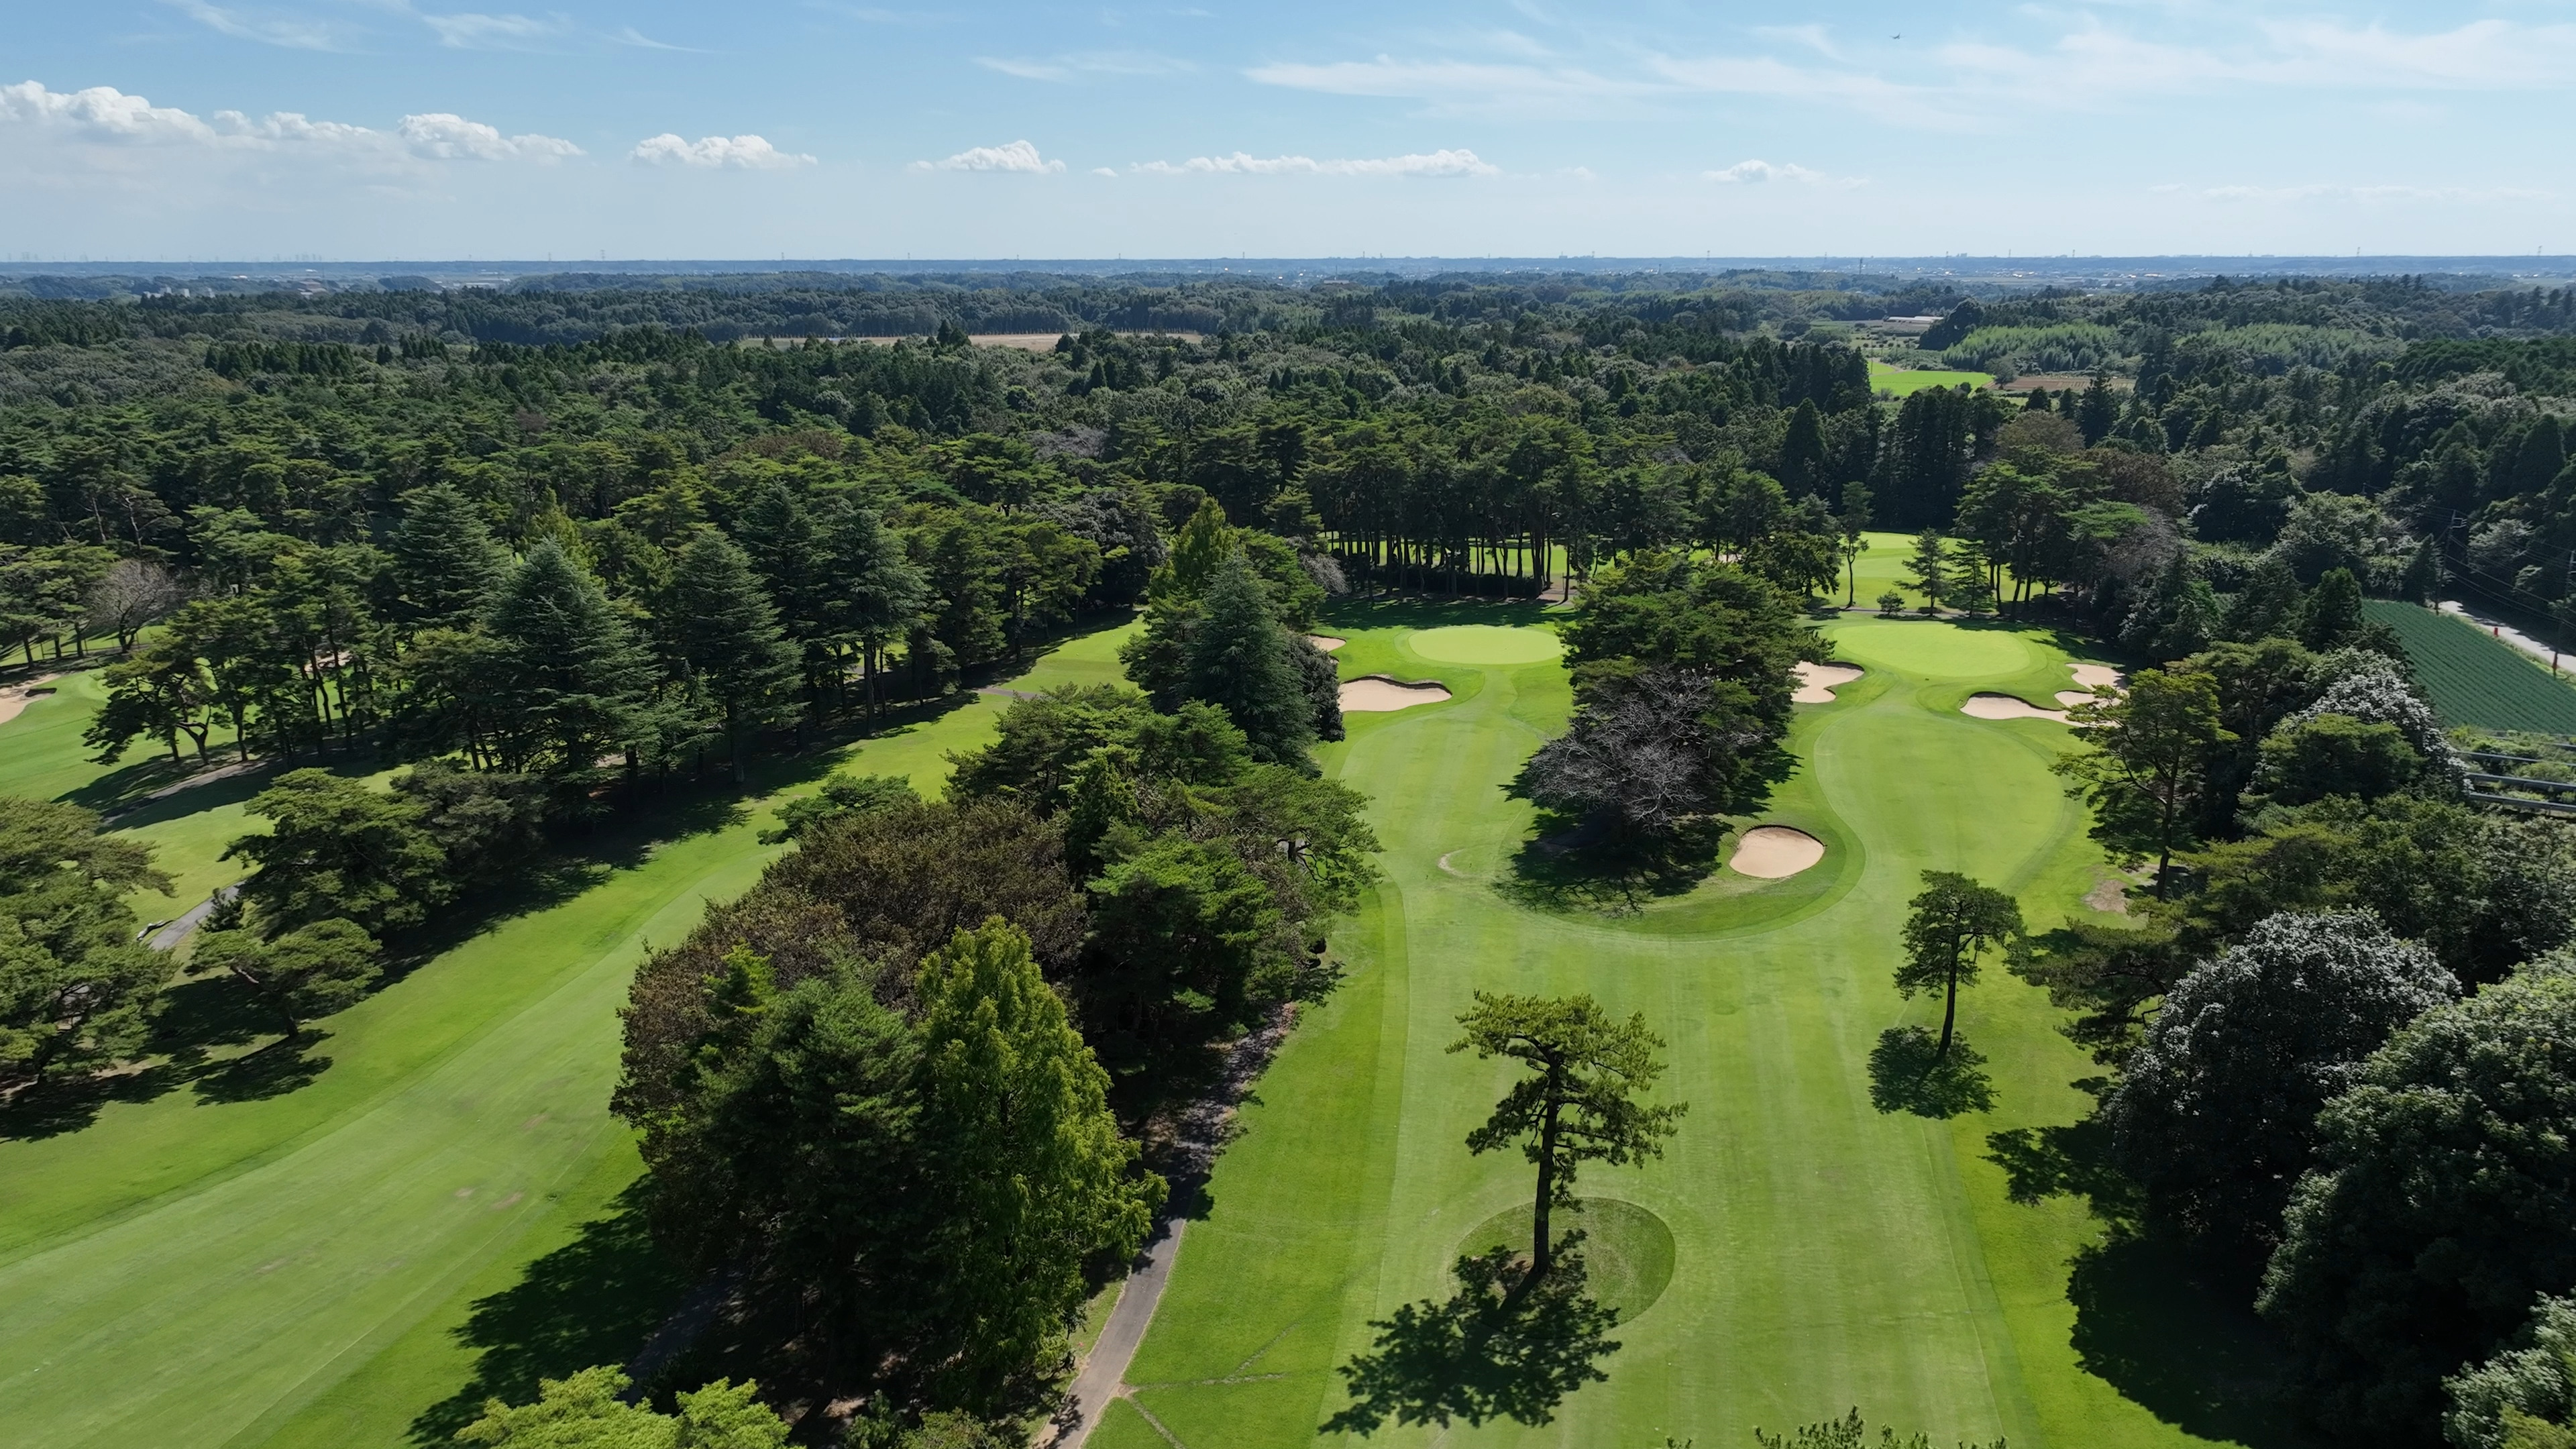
{"points": [[1461, 84], [1095, 62], [292, 34], [1758, 172], [1016, 156], [743, 153], [468, 30], [446, 137], [1436, 163], [103, 115]]}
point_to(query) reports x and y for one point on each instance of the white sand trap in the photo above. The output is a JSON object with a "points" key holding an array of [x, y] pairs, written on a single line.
{"points": [[2073, 697], [2005, 706], [1377, 694], [1817, 682], [2093, 676], [1774, 852], [1326, 642], [16, 696]]}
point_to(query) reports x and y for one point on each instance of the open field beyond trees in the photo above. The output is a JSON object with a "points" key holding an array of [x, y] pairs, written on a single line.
{"points": [[1905, 382], [1822, 1253], [2472, 679]]}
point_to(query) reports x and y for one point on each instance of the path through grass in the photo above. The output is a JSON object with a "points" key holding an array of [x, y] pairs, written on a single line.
{"points": [[1824, 1255], [300, 1261]]}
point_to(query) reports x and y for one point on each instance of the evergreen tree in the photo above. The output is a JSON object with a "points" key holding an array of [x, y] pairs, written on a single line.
{"points": [[1854, 535], [1200, 549], [2331, 614], [726, 638], [1238, 659], [337, 848], [1929, 569], [2098, 411], [74, 981], [1802, 451], [572, 680], [446, 564], [1023, 1155], [316, 969], [878, 590], [1949, 926]]}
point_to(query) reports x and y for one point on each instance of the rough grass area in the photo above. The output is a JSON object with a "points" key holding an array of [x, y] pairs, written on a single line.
{"points": [[1824, 1253], [353, 1246], [2476, 679]]}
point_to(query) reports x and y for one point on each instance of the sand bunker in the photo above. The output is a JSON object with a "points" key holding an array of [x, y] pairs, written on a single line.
{"points": [[2005, 706], [15, 697], [1377, 694], [2093, 676], [1326, 642], [1772, 852], [1817, 682]]}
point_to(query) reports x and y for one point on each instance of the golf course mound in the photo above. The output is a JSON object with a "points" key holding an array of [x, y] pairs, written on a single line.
{"points": [[1817, 682], [1775, 852], [1326, 642], [1627, 1250], [1379, 694], [2009, 706], [1486, 644]]}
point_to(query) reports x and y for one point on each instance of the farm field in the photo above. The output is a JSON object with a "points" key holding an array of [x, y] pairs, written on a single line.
{"points": [[1904, 382], [321, 1255], [1824, 1254], [2473, 679]]}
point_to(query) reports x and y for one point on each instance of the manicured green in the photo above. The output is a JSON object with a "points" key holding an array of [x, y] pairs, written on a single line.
{"points": [[294, 1267], [1823, 1254], [1901, 382], [2474, 678], [1485, 644]]}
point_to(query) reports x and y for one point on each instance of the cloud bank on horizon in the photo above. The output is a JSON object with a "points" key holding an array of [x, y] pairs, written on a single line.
{"points": [[178, 128]]}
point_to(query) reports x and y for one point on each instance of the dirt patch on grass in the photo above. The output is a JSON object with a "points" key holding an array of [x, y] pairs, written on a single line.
{"points": [[2007, 706], [1775, 852], [1817, 682], [1377, 694], [2110, 894]]}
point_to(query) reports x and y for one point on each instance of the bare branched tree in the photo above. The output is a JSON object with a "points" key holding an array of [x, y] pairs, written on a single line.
{"points": [[129, 596]]}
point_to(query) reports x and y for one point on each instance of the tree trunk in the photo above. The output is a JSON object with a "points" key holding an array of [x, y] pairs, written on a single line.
{"points": [[1949, 1014], [1541, 1244]]}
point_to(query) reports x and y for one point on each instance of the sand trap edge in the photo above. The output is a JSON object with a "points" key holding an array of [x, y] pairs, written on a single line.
{"points": [[1775, 852], [2007, 706], [1817, 682], [1326, 642], [1382, 694]]}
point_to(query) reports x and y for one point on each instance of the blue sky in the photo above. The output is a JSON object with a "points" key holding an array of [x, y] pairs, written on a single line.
{"points": [[362, 129]]}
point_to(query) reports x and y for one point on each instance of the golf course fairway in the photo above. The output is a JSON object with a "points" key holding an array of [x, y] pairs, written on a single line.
{"points": [[298, 1264], [1823, 1254]]}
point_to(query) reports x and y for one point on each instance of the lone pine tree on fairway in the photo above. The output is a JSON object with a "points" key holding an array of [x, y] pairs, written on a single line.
{"points": [[1579, 1103], [1953, 921]]}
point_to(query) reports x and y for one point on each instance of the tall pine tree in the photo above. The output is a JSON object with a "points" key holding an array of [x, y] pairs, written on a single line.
{"points": [[1238, 659], [573, 680], [877, 589], [446, 564], [725, 637]]}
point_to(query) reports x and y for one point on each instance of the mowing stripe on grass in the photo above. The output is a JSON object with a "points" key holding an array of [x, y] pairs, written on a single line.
{"points": [[2474, 679]]}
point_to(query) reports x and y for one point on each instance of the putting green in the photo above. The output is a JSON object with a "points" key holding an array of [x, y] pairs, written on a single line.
{"points": [[1485, 644], [1823, 1254], [298, 1263]]}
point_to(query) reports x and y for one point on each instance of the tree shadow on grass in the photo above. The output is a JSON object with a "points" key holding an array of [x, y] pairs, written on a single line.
{"points": [[1579, 867], [2169, 1325], [2176, 1335], [595, 1300], [1419, 611], [1908, 1074], [1493, 1350]]}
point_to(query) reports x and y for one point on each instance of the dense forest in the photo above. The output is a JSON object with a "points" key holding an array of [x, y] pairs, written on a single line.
{"points": [[588, 545]]}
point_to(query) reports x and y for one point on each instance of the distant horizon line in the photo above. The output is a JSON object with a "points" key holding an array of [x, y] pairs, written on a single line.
{"points": [[23, 263]]}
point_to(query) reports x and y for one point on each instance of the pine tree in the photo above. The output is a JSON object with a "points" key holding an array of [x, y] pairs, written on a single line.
{"points": [[1200, 548], [2097, 412], [878, 590], [572, 680], [1930, 566], [1802, 451], [446, 564], [1238, 659], [726, 637]]}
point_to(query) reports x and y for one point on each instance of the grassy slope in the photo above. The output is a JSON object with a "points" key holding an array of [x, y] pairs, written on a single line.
{"points": [[188, 1271], [2475, 679], [1904, 382], [1828, 1255]]}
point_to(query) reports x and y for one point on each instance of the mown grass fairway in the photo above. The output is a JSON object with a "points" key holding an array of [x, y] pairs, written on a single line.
{"points": [[1822, 1254], [298, 1259], [2475, 679]]}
